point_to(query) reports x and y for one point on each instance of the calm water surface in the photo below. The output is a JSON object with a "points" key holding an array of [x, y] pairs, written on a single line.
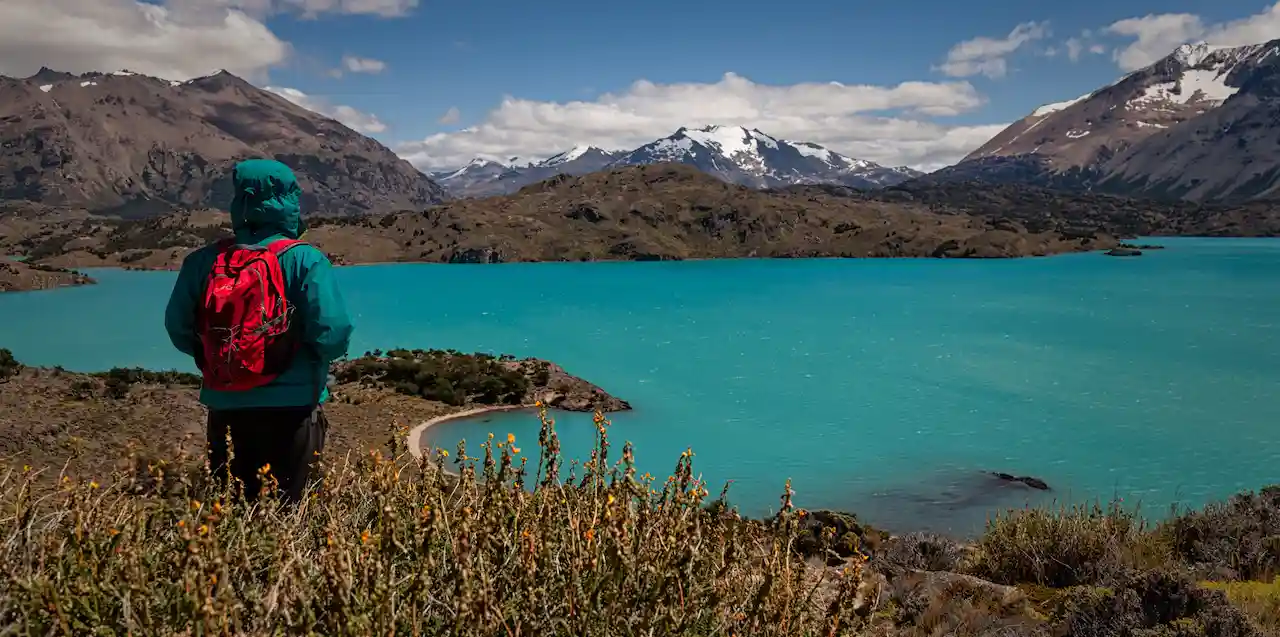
{"points": [[881, 386]]}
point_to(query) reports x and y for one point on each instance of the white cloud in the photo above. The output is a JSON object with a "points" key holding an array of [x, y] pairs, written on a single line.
{"points": [[356, 120], [355, 64], [1157, 35], [306, 8], [986, 56], [450, 116], [885, 124], [173, 39], [1078, 46], [167, 41], [1074, 48], [383, 8]]}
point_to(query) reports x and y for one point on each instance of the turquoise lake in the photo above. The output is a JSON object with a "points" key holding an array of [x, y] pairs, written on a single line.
{"points": [[884, 387]]}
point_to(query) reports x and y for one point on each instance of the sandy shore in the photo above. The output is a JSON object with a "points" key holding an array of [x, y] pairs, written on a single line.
{"points": [[418, 433]]}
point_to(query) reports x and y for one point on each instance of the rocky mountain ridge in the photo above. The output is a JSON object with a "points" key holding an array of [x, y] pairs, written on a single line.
{"points": [[133, 145], [735, 154], [1198, 124], [652, 212]]}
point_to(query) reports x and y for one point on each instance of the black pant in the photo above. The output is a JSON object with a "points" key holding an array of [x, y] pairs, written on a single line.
{"points": [[289, 439]]}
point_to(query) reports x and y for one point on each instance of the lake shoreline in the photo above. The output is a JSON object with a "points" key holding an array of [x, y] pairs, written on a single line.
{"points": [[417, 435]]}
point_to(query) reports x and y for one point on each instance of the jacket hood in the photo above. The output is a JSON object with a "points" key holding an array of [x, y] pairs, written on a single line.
{"points": [[267, 201]]}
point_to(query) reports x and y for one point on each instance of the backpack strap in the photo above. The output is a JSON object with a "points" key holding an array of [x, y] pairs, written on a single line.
{"points": [[281, 246]]}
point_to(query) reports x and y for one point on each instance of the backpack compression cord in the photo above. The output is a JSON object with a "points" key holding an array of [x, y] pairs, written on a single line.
{"points": [[244, 324]]}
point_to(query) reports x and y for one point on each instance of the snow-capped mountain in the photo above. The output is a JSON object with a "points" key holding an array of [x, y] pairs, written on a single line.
{"points": [[482, 177], [1110, 139], [752, 158], [733, 153]]}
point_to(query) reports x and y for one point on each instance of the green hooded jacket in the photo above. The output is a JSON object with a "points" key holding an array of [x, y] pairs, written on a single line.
{"points": [[266, 208]]}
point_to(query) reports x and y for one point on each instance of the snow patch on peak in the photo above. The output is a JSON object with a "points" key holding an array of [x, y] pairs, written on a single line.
{"points": [[46, 87], [1058, 106], [568, 155], [1194, 53], [1195, 85], [810, 149], [125, 72], [730, 139]]}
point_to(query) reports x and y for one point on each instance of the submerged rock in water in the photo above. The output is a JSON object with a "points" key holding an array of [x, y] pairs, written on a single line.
{"points": [[1034, 483], [1124, 252]]}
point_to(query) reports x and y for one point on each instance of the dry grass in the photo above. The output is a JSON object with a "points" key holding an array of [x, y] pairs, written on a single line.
{"points": [[1069, 547], [502, 549]]}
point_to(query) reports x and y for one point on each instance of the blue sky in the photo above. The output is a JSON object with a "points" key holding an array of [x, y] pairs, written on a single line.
{"points": [[571, 66]]}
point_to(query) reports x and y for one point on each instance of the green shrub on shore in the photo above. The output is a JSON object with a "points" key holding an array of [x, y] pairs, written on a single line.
{"points": [[1069, 547], [9, 366], [448, 376]]}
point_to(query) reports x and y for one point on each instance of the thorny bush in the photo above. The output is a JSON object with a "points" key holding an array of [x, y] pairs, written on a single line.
{"points": [[388, 544]]}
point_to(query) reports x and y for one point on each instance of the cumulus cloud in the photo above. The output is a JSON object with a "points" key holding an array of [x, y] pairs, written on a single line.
{"points": [[1156, 35], [885, 124], [356, 120], [450, 116], [173, 39], [167, 41], [987, 56]]}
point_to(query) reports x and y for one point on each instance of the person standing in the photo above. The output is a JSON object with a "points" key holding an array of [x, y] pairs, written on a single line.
{"points": [[263, 318]]}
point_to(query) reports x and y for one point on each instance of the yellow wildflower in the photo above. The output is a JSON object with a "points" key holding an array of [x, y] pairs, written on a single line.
{"points": [[511, 439], [364, 537], [93, 484], [515, 450]]}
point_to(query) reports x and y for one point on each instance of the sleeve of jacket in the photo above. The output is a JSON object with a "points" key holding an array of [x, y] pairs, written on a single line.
{"points": [[328, 326], [180, 313]]}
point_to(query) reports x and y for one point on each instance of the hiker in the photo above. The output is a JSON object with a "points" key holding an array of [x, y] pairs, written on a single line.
{"points": [[263, 318]]}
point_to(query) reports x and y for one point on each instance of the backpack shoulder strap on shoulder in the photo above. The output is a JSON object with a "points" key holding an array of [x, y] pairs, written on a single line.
{"points": [[282, 246]]}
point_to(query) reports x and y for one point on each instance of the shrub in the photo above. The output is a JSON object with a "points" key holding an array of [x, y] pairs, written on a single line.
{"points": [[387, 547], [9, 366], [1259, 600], [1238, 539], [1079, 545], [919, 552], [447, 376], [1150, 604]]}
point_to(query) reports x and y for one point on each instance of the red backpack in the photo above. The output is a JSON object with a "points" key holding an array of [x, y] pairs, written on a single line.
{"points": [[244, 324]]}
